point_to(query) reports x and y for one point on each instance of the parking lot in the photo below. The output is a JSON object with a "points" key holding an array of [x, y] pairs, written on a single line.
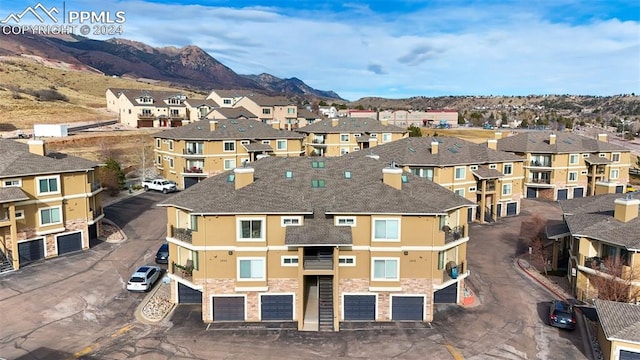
{"points": [[77, 307]]}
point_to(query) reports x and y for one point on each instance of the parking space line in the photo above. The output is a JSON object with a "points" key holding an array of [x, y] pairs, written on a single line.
{"points": [[456, 355], [91, 348]]}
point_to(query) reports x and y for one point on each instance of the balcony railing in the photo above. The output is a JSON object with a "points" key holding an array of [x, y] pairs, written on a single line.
{"points": [[192, 151], [146, 117], [95, 213], [543, 163], [183, 271], [182, 234], [95, 186], [4, 215], [540, 181], [490, 186], [193, 170], [453, 233], [317, 141], [318, 262]]}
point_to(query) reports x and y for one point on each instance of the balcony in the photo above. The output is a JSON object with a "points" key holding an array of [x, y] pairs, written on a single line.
{"points": [[183, 271], [490, 186], [192, 151], [146, 117], [318, 262], [181, 234], [539, 181], [453, 233], [95, 186], [4, 217], [193, 170], [318, 142]]}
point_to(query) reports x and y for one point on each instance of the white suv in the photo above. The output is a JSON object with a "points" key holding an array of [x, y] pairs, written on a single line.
{"points": [[144, 278]]}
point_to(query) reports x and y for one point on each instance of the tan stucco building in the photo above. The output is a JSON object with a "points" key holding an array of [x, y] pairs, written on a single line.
{"points": [[618, 333]]}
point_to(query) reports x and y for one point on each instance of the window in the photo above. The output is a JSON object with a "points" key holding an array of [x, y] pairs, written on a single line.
{"points": [[460, 173], [170, 162], [345, 221], [344, 150], [19, 214], [159, 160], [251, 269], [614, 174], [289, 261], [573, 176], [317, 164], [288, 174], [440, 260], [385, 269], [573, 159], [585, 155], [386, 230], [506, 189], [291, 110], [347, 261], [229, 164], [245, 142], [226, 101], [473, 167], [317, 183], [347, 174], [50, 216], [373, 135], [602, 155], [250, 229], [507, 169], [583, 172], [12, 183], [344, 137], [158, 143], [291, 221], [459, 192], [170, 144], [608, 251], [266, 142], [266, 111], [615, 157], [386, 137], [493, 166], [48, 185], [423, 173], [174, 112], [193, 222], [472, 189], [229, 146], [281, 144]]}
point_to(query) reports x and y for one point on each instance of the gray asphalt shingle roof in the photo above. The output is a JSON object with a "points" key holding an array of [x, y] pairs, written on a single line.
{"points": [[16, 160], [592, 217], [226, 129], [11, 194], [619, 321], [272, 192], [538, 142], [597, 160], [236, 113], [416, 151], [316, 231], [484, 172], [158, 96], [350, 125]]}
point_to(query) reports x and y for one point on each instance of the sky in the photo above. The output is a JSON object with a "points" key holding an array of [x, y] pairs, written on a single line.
{"points": [[400, 49]]}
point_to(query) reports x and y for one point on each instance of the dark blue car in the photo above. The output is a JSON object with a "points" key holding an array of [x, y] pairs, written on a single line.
{"points": [[162, 256], [562, 315]]}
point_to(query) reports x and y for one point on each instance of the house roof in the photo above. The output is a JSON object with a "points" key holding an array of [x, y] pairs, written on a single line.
{"points": [[239, 129], [234, 93], [256, 146], [235, 113], [597, 160], [201, 102], [619, 321], [307, 114], [484, 172], [16, 160], [556, 229], [592, 217], [318, 230], [264, 100], [416, 151], [11, 194], [538, 142], [157, 95], [350, 125], [273, 192]]}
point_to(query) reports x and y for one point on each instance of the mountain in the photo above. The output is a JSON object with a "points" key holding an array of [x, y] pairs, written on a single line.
{"points": [[189, 66]]}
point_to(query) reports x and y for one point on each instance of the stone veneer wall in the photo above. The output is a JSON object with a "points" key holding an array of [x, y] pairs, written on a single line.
{"points": [[50, 239], [546, 194]]}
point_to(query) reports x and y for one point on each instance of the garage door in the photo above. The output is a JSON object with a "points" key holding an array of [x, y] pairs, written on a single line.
{"points": [[359, 307], [448, 295], [228, 308], [190, 181], [628, 355], [69, 243], [578, 193], [532, 193], [407, 308], [187, 295], [512, 209], [562, 194], [29, 251], [619, 189], [499, 211], [276, 307]]}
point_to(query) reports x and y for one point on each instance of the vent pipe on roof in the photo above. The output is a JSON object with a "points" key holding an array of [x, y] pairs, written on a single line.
{"points": [[434, 147], [603, 138]]}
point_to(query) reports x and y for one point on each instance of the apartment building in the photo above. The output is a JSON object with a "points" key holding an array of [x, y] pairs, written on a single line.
{"points": [[564, 165], [148, 108], [618, 333], [227, 98], [317, 242], [603, 228], [478, 172], [50, 203], [190, 153], [336, 137], [272, 110], [446, 118]]}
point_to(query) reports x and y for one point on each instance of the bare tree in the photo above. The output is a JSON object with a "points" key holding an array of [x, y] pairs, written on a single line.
{"points": [[533, 231], [614, 281]]}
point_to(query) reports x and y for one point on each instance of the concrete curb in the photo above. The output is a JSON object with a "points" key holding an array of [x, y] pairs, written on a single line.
{"points": [[139, 314], [122, 233]]}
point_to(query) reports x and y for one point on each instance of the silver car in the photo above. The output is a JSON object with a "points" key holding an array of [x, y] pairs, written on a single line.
{"points": [[144, 278]]}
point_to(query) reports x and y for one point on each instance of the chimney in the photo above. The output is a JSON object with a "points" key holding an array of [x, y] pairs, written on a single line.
{"points": [[626, 209], [497, 135], [334, 122], [552, 139], [212, 125], [275, 124], [603, 137], [243, 176], [392, 176], [492, 144], [384, 122], [37, 147], [434, 147]]}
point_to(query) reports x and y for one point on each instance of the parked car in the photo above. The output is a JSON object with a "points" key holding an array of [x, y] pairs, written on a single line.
{"points": [[143, 278], [162, 256], [163, 185], [562, 315]]}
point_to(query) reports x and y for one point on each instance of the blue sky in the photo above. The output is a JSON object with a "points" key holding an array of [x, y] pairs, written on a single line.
{"points": [[398, 49]]}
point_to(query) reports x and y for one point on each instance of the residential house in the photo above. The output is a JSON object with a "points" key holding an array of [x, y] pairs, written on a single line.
{"points": [[307, 117], [193, 152], [272, 109], [317, 242], [227, 98], [565, 165], [50, 203], [336, 137], [446, 118], [478, 172], [231, 113], [148, 108], [618, 333], [604, 229], [328, 111], [198, 109]]}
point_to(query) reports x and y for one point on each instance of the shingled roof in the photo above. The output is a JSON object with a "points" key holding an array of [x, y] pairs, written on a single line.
{"points": [[350, 125], [11, 194], [538, 142], [235, 113], [592, 217], [158, 96], [416, 151], [16, 160], [350, 187], [226, 129], [619, 321]]}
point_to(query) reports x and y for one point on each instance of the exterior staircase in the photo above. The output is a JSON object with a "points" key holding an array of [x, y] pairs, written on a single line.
{"points": [[5, 264], [325, 300]]}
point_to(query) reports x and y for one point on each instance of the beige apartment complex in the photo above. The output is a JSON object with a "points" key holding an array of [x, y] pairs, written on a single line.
{"points": [[191, 153], [564, 165], [152, 108], [317, 242], [50, 203]]}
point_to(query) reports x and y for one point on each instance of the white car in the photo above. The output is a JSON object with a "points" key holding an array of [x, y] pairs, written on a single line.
{"points": [[144, 278]]}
